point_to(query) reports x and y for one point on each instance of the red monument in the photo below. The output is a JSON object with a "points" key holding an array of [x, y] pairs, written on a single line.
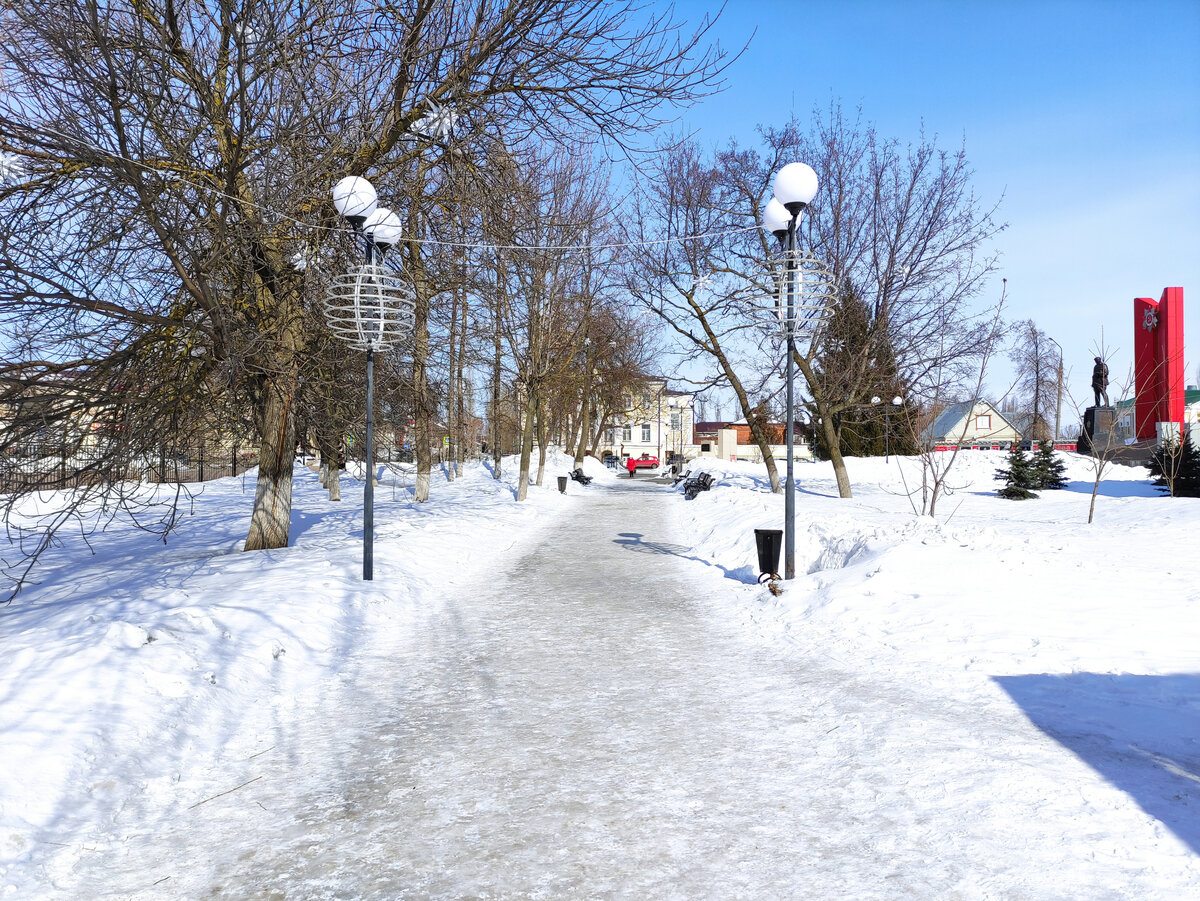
{"points": [[1158, 361]]}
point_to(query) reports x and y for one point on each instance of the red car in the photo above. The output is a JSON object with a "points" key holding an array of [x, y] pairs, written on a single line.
{"points": [[645, 461]]}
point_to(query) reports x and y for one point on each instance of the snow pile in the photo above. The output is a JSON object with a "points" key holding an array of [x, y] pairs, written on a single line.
{"points": [[176, 647], [989, 585], [1092, 630], [1002, 650]]}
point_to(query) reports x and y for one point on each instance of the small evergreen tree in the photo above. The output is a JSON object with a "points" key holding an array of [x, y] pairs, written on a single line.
{"points": [[1176, 468], [1018, 475], [1049, 472]]}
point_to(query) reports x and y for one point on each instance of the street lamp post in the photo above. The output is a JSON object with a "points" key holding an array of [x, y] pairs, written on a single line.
{"points": [[369, 308], [795, 187], [896, 402]]}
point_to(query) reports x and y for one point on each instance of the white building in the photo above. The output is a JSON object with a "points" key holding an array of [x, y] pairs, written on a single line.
{"points": [[656, 421], [973, 423]]}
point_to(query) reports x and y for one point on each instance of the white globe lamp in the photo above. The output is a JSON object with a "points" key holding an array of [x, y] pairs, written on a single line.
{"points": [[355, 198], [383, 227], [776, 218], [795, 186]]}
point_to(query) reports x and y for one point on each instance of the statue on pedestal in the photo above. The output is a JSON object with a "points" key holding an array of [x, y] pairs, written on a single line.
{"points": [[1100, 381]]}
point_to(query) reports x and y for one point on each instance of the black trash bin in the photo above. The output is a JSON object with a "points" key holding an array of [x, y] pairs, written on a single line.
{"points": [[770, 543], [562, 484]]}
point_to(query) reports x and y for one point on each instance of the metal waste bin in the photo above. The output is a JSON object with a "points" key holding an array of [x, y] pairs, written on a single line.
{"points": [[770, 543], [562, 484]]}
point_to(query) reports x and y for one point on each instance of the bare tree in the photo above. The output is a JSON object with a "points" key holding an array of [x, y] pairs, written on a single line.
{"points": [[902, 227], [685, 269], [899, 228], [553, 203], [936, 461], [1037, 363], [178, 158], [1103, 446]]}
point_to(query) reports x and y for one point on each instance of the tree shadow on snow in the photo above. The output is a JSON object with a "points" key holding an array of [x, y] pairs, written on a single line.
{"points": [[1121, 488], [1141, 733], [1107, 489], [634, 541]]}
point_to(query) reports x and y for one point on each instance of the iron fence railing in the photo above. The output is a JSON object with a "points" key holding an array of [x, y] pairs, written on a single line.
{"points": [[65, 466]]}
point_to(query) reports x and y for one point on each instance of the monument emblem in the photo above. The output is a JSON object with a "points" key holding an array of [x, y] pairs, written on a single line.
{"points": [[1158, 362]]}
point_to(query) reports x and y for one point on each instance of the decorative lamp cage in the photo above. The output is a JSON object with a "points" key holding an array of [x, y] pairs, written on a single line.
{"points": [[370, 308], [812, 304]]}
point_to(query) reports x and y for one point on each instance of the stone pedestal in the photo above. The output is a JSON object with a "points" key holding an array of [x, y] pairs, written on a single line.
{"points": [[1098, 425]]}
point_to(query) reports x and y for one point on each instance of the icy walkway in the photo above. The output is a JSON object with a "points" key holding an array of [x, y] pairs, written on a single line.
{"points": [[588, 725]]}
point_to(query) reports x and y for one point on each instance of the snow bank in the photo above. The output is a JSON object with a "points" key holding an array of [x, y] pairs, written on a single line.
{"points": [[194, 643], [991, 585], [1092, 632]]}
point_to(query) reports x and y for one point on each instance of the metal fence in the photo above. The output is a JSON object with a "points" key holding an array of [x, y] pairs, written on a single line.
{"points": [[62, 466], [193, 464]]}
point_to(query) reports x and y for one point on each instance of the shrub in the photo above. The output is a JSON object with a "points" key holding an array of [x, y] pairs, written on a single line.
{"points": [[1018, 475], [1049, 472]]}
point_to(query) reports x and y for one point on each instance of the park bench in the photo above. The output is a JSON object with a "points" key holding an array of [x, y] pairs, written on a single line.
{"points": [[579, 477], [696, 484]]}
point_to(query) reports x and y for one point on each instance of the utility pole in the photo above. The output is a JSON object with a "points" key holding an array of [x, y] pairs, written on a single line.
{"points": [[1058, 408]]}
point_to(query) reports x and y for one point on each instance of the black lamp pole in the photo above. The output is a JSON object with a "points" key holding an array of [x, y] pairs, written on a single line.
{"points": [[368, 308], [789, 497], [369, 488]]}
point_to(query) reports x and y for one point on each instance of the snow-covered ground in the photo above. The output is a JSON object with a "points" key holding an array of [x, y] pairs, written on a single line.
{"points": [[1093, 631], [136, 675]]}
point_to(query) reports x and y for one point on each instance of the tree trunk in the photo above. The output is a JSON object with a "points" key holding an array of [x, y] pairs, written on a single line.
{"points": [[526, 449], [334, 480], [327, 446], [833, 442], [756, 429], [272, 516], [333, 475], [424, 410], [1095, 488], [452, 387], [598, 433], [543, 433], [832, 439], [585, 425], [497, 361], [460, 425], [422, 414], [497, 431]]}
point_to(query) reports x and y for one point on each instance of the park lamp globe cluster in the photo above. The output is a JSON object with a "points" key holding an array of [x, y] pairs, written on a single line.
{"points": [[369, 308], [795, 187]]}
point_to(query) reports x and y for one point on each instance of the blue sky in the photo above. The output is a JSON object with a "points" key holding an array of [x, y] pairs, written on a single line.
{"points": [[1085, 117]]}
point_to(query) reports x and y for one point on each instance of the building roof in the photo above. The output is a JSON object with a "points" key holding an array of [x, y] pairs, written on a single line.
{"points": [[1191, 396], [950, 417], [956, 413]]}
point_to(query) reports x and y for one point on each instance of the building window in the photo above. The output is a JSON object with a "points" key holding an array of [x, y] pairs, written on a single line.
{"points": [[626, 432], [705, 448], [676, 421], [610, 436], [645, 432], [983, 423]]}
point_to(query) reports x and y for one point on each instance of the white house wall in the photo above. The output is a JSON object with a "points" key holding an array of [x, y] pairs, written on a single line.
{"points": [[968, 431]]}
